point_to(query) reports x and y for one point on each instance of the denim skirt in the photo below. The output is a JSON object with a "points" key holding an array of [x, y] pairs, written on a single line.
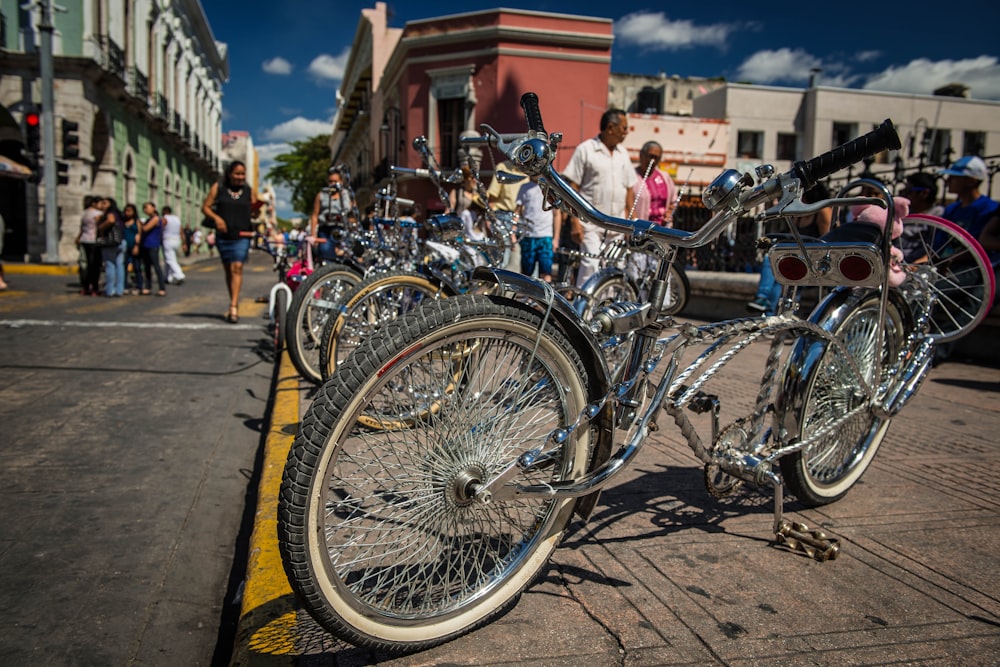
{"points": [[233, 250]]}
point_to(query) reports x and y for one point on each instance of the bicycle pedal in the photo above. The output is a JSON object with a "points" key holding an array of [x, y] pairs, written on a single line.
{"points": [[799, 538]]}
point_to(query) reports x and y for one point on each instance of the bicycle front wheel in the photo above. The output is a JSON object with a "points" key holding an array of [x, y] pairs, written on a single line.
{"points": [[822, 395], [378, 528], [377, 300], [280, 311], [959, 275], [316, 298]]}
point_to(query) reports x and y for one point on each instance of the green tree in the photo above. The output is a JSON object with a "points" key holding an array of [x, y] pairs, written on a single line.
{"points": [[303, 170]]}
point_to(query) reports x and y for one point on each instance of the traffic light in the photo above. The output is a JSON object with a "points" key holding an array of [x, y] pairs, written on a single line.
{"points": [[32, 131], [70, 139], [62, 173]]}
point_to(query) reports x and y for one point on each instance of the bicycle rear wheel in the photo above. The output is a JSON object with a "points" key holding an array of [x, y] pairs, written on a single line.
{"points": [[958, 273], [319, 295], [821, 393], [379, 531]]}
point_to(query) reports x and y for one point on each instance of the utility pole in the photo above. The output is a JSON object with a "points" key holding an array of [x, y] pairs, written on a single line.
{"points": [[48, 134]]}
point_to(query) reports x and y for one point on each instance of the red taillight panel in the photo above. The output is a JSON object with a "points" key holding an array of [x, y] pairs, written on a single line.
{"points": [[792, 268], [855, 268]]}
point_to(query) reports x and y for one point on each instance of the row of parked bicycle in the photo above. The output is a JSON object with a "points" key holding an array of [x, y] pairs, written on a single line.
{"points": [[388, 265], [468, 413]]}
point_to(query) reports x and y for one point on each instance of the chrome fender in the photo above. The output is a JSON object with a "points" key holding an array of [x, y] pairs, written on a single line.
{"points": [[540, 296]]}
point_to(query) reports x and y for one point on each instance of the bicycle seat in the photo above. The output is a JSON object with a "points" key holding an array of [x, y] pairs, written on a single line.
{"points": [[864, 232]]}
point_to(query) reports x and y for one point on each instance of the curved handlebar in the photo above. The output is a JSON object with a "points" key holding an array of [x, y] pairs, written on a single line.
{"points": [[533, 152], [882, 138]]}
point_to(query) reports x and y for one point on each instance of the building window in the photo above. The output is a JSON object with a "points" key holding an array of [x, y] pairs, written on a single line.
{"points": [[750, 144], [451, 123], [973, 143], [451, 105], [649, 100], [940, 145], [842, 133], [786, 149]]}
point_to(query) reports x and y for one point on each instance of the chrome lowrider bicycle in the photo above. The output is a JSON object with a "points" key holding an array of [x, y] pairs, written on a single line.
{"points": [[436, 471]]}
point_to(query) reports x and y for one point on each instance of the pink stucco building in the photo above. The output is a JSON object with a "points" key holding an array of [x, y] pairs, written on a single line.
{"points": [[444, 76]]}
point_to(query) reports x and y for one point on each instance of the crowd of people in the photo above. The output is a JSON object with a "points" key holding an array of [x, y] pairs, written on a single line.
{"points": [[130, 247], [138, 253], [600, 169], [127, 248]]}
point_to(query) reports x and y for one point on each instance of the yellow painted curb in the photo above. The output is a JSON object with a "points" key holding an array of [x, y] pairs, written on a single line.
{"points": [[41, 269], [266, 630]]}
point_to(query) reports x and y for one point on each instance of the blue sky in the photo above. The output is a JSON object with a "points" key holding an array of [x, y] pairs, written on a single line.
{"points": [[287, 57]]}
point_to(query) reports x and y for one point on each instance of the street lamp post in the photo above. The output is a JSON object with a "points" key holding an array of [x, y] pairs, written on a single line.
{"points": [[46, 29], [390, 131]]}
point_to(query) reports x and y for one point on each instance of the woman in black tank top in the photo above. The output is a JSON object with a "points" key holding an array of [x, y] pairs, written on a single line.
{"points": [[230, 205]]}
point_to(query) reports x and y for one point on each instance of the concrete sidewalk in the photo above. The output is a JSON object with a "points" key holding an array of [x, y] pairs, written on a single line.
{"points": [[663, 574]]}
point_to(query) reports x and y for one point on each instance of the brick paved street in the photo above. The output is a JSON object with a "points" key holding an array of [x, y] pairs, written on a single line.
{"points": [[663, 574]]}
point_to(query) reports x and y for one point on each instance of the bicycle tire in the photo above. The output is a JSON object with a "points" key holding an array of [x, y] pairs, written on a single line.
{"points": [[375, 301], [318, 295], [280, 311], [821, 392], [376, 531], [961, 277]]}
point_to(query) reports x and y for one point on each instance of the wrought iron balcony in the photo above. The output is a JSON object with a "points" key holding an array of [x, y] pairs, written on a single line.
{"points": [[139, 85], [114, 58], [161, 108]]}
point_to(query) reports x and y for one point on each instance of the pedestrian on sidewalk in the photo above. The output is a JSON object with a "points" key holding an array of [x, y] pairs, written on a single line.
{"points": [[172, 242], [133, 264], [86, 242], [152, 240]]}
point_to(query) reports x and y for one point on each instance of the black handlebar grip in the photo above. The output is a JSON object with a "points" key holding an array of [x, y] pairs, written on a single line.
{"points": [[882, 138], [529, 102]]}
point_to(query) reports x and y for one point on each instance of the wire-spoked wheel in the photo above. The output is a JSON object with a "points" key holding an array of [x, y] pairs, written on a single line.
{"points": [[823, 395], [958, 272], [380, 529]]}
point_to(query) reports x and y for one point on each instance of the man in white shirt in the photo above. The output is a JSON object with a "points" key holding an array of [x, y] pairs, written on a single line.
{"points": [[171, 244], [602, 172]]}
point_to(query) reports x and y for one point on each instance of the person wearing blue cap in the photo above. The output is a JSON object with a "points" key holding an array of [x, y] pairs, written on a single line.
{"points": [[971, 209]]}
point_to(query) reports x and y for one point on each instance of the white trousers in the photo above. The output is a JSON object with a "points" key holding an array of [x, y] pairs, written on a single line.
{"points": [[594, 238], [170, 248]]}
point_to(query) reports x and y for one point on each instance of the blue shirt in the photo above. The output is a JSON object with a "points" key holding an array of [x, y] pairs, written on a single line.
{"points": [[971, 218]]}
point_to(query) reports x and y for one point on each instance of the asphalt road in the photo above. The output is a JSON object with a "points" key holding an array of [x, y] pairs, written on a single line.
{"points": [[131, 432]]}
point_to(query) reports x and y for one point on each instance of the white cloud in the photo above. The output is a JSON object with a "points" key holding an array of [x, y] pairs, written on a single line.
{"points": [[330, 68], [298, 128], [655, 31], [267, 152], [865, 56], [923, 76], [277, 65], [771, 66]]}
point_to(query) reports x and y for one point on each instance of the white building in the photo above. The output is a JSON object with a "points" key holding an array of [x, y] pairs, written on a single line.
{"points": [[780, 125]]}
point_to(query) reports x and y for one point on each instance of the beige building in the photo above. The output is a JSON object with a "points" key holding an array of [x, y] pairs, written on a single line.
{"points": [[671, 95]]}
